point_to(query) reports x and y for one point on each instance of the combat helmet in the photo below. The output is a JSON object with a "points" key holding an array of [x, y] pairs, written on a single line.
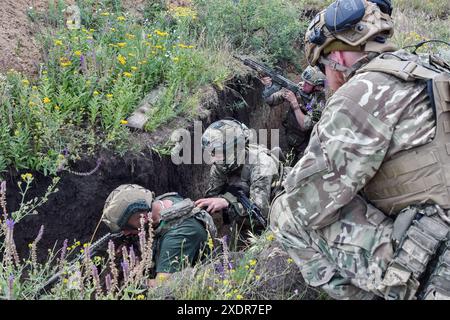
{"points": [[123, 202], [225, 141], [349, 25], [313, 76]]}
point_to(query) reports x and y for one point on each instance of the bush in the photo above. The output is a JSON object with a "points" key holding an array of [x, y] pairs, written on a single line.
{"points": [[269, 27]]}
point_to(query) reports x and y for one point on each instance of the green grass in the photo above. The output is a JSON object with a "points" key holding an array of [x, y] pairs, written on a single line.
{"points": [[93, 78]]}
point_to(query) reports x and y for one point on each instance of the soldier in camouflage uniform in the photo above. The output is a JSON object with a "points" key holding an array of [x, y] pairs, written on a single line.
{"points": [[297, 122], [236, 163], [181, 230], [365, 212]]}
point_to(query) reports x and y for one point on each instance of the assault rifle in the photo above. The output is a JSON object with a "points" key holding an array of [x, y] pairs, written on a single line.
{"points": [[276, 78], [252, 209], [94, 249]]}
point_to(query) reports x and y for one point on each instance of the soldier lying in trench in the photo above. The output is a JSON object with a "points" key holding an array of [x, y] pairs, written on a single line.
{"points": [[180, 229]]}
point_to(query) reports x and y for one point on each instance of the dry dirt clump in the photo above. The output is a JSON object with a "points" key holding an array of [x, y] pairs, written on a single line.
{"points": [[20, 50]]}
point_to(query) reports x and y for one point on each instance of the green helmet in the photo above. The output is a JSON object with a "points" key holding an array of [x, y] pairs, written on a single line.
{"points": [[225, 140], [123, 202], [313, 76]]}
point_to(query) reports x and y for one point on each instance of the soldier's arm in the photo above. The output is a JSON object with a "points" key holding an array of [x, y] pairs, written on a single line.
{"points": [[272, 95], [217, 182], [346, 149], [261, 178]]}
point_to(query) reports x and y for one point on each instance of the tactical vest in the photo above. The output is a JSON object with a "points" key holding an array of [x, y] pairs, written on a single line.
{"points": [[421, 174], [180, 211]]}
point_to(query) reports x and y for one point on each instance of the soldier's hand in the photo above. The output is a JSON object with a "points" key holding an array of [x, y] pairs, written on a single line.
{"points": [[212, 204], [291, 98], [267, 81]]}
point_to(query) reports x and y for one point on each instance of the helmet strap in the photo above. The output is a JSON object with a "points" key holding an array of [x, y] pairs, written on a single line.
{"points": [[333, 65]]}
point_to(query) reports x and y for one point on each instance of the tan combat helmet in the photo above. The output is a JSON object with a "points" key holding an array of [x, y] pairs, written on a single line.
{"points": [[222, 139], [349, 25], [313, 76], [123, 202]]}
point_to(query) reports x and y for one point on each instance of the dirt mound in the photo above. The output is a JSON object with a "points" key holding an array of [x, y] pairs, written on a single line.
{"points": [[19, 49]]}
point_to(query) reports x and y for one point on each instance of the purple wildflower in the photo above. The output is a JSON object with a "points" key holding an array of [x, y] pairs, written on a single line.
{"points": [[108, 282], [309, 107], [10, 285], [83, 64], [10, 224], [39, 236], [63, 250], [220, 270]]}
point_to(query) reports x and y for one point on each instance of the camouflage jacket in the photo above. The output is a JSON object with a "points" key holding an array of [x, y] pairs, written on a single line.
{"points": [[366, 122], [273, 96], [260, 175]]}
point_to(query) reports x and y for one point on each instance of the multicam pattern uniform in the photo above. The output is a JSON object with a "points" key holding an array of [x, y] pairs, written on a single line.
{"points": [[297, 138], [260, 175], [338, 240]]}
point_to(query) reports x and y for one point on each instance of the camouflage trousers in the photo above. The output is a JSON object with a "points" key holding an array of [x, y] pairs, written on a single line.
{"points": [[347, 258]]}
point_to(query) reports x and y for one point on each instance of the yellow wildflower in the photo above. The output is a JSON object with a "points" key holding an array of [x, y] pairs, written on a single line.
{"points": [[134, 68], [239, 297], [127, 74], [78, 53], [26, 177], [252, 271], [141, 297], [69, 248], [247, 266], [96, 93], [91, 30], [57, 108], [25, 82], [81, 251], [44, 72], [158, 47], [121, 44], [77, 243], [121, 18], [176, 59], [161, 33], [46, 100], [85, 245], [65, 62], [58, 43], [30, 245], [122, 60], [257, 277], [210, 288], [210, 243], [226, 282], [104, 14], [34, 87], [123, 122], [270, 237], [109, 95], [290, 260], [252, 262], [149, 36], [183, 46], [31, 104], [130, 36], [132, 55], [113, 29], [65, 280], [228, 295]]}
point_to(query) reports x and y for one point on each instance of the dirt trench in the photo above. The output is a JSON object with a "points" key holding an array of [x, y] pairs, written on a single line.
{"points": [[73, 212]]}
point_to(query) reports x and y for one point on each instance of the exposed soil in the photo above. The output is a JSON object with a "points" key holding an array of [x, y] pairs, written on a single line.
{"points": [[20, 50]]}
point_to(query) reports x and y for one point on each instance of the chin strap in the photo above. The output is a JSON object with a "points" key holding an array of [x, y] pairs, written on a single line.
{"points": [[349, 71]]}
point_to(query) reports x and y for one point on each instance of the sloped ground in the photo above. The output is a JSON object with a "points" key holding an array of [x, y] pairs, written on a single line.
{"points": [[20, 50]]}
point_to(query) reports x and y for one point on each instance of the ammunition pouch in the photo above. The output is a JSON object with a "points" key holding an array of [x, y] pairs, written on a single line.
{"points": [[418, 233]]}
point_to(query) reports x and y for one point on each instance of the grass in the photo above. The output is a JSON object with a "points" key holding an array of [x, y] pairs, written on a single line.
{"points": [[94, 77]]}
